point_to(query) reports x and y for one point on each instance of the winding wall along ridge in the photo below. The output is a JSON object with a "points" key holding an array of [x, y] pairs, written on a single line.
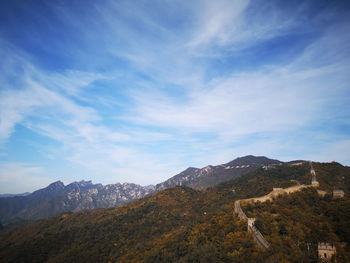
{"points": [[258, 237]]}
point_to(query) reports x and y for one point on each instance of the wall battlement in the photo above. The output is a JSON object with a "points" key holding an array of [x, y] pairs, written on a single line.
{"points": [[258, 237]]}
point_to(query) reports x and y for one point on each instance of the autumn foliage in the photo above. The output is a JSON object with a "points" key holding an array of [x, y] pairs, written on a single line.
{"points": [[185, 225]]}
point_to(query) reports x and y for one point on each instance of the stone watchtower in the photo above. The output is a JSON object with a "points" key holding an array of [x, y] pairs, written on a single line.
{"points": [[326, 251], [250, 223], [314, 181], [338, 193]]}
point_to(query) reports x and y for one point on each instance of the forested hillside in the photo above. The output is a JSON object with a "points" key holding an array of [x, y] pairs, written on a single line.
{"points": [[294, 224], [185, 225]]}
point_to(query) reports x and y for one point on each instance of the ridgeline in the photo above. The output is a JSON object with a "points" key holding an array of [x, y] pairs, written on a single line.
{"points": [[181, 224]]}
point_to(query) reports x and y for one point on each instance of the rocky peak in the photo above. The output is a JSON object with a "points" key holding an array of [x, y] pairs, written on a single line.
{"points": [[82, 186], [51, 190], [57, 198], [55, 185], [211, 175], [252, 160]]}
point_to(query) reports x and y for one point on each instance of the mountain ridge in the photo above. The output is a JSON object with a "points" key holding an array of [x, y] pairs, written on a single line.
{"points": [[181, 224], [210, 175], [57, 198], [13, 195]]}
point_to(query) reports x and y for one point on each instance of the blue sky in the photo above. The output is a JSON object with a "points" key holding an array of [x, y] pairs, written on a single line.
{"points": [[137, 91]]}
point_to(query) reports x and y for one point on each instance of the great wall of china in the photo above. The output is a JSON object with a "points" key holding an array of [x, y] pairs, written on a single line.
{"points": [[258, 237]]}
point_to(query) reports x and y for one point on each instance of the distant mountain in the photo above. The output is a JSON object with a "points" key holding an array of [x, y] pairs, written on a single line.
{"points": [[212, 175], [13, 195], [77, 196], [58, 198]]}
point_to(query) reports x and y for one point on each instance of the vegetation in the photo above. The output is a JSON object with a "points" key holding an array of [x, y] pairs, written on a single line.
{"points": [[333, 176], [295, 223], [262, 181], [185, 225]]}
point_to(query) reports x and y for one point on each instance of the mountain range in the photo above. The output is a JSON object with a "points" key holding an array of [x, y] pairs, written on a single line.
{"points": [[77, 196], [182, 224], [212, 175], [13, 195]]}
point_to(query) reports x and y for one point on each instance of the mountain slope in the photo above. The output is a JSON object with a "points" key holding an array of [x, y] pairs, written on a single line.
{"points": [[58, 198], [181, 224], [77, 196], [212, 175], [304, 217], [167, 221]]}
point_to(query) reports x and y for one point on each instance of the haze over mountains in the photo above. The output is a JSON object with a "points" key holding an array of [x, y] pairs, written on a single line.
{"points": [[77, 196], [13, 195]]}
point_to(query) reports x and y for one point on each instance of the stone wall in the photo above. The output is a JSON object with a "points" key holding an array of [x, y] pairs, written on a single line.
{"points": [[258, 237]]}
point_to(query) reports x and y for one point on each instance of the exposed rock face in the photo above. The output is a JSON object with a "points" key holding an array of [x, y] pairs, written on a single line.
{"points": [[77, 196], [104, 196], [212, 175]]}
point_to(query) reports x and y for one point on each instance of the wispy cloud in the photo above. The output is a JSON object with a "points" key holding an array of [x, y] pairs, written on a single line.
{"points": [[33, 98], [135, 92], [218, 21], [270, 100], [19, 177], [47, 104]]}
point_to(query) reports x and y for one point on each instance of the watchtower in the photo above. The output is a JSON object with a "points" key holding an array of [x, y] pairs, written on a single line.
{"points": [[338, 193], [326, 251]]}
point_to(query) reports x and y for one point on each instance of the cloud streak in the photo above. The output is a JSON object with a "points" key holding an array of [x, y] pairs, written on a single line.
{"points": [[19, 177], [134, 92]]}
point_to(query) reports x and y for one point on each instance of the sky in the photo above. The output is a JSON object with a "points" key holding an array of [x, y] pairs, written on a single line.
{"points": [[137, 91]]}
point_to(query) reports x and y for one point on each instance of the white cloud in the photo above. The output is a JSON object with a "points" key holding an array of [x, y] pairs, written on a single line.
{"points": [[21, 177], [217, 21], [243, 103], [33, 93], [228, 27], [227, 109]]}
